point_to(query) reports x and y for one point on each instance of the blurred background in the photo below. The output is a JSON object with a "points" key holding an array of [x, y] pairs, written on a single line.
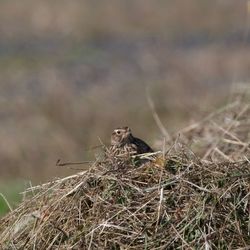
{"points": [[72, 71]]}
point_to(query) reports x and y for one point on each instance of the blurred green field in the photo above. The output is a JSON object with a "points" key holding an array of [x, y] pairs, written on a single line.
{"points": [[10, 190]]}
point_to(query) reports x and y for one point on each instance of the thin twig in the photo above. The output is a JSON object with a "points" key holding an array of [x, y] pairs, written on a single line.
{"points": [[156, 117], [58, 163], [6, 201]]}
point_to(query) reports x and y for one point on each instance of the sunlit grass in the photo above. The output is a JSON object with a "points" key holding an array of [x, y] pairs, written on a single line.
{"points": [[10, 194]]}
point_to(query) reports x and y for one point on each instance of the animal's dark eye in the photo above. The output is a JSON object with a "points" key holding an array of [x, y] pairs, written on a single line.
{"points": [[118, 132]]}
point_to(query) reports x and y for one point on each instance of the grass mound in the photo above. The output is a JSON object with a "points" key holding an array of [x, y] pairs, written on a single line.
{"points": [[165, 204], [179, 199]]}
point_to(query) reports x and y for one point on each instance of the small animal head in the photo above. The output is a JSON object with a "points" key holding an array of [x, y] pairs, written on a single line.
{"points": [[121, 136]]}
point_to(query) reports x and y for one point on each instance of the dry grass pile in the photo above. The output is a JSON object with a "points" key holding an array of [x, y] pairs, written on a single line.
{"points": [[223, 135], [117, 205], [172, 200]]}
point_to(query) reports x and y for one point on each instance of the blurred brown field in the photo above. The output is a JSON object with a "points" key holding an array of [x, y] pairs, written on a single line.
{"points": [[71, 71]]}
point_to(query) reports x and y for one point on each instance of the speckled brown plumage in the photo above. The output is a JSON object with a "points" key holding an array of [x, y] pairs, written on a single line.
{"points": [[123, 141]]}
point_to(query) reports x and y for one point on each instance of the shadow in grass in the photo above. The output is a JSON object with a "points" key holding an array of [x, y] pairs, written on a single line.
{"points": [[10, 190]]}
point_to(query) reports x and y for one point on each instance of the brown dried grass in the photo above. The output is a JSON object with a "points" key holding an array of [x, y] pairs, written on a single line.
{"points": [[179, 199]]}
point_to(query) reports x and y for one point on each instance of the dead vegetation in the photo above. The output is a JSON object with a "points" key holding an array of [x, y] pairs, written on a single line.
{"points": [[224, 135], [196, 195]]}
